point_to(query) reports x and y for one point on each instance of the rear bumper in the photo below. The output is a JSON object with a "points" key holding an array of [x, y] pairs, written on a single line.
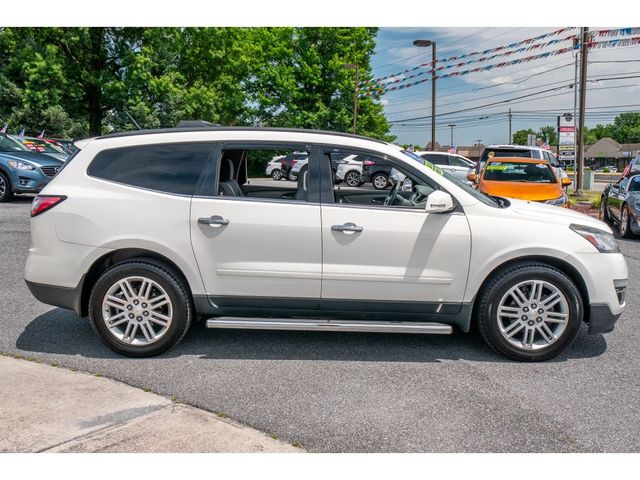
{"points": [[64, 297], [601, 319]]}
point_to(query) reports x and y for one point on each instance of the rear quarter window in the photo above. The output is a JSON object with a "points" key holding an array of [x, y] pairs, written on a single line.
{"points": [[170, 168]]}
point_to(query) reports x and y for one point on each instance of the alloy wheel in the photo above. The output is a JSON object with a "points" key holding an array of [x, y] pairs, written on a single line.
{"points": [[3, 186], [276, 174], [624, 222], [380, 182], [137, 310], [533, 314], [353, 179]]}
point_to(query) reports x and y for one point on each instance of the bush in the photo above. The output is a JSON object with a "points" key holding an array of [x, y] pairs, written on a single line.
{"points": [[595, 203], [606, 170]]}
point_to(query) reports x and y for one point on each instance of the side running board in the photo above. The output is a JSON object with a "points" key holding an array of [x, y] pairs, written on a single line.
{"points": [[329, 325]]}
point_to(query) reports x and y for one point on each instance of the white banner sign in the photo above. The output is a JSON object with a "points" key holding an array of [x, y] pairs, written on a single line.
{"points": [[566, 136]]}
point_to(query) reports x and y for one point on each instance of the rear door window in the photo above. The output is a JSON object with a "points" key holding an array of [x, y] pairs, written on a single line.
{"points": [[170, 168], [436, 159]]}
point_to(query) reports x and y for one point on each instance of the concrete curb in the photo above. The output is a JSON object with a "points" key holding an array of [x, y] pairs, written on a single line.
{"points": [[58, 410]]}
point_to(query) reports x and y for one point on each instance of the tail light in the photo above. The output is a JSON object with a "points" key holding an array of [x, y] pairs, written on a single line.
{"points": [[42, 203], [368, 163], [294, 162]]}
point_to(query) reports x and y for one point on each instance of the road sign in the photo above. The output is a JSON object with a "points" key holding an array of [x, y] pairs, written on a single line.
{"points": [[566, 137]]}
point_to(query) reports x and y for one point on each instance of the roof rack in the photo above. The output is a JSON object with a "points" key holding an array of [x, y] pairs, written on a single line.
{"points": [[191, 127]]}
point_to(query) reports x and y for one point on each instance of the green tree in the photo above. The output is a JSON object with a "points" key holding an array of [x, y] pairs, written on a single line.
{"points": [[549, 133], [91, 80], [520, 136], [300, 81]]}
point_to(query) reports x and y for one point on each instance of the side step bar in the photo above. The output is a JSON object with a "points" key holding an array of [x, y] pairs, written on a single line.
{"points": [[329, 325]]}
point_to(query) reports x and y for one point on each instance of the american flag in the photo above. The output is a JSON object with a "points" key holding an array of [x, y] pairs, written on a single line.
{"points": [[4, 129], [41, 134]]}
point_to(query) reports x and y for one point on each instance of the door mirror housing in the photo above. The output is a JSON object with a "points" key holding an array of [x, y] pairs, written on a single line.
{"points": [[565, 182], [472, 177], [439, 202]]}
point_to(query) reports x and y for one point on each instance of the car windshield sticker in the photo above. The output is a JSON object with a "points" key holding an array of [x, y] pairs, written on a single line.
{"points": [[433, 167], [497, 166]]}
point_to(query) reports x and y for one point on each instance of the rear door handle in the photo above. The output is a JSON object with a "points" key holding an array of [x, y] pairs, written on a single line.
{"points": [[347, 227], [213, 221]]}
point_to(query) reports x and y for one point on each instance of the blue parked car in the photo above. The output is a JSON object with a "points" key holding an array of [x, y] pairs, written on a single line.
{"points": [[23, 171]]}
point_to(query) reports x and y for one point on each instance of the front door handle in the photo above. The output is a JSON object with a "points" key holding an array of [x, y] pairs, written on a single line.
{"points": [[347, 227], [214, 220]]}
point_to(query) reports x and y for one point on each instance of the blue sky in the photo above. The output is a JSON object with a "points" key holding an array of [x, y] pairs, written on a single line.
{"points": [[395, 53]]}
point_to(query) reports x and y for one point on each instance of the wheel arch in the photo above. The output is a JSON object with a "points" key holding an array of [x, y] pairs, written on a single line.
{"points": [[562, 265], [118, 256]]}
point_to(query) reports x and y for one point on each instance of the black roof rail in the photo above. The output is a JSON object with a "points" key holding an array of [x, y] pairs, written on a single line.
{"points": [[195, 124], [218, 128]]}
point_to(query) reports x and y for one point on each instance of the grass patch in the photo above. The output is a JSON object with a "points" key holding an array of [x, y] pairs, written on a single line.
{"points": [[221, 414], [296, 444], [588, 196]]}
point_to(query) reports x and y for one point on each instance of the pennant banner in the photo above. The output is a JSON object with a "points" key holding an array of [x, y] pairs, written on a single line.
{"points": [[618, 42], [378, 83]]}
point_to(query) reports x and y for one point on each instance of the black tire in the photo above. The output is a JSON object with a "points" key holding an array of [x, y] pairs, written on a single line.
{"points": [[380, 181], [6, 193], [625, 222], [276, 174], [176, 290], [603, 213], [352, 178], [499, 285]]}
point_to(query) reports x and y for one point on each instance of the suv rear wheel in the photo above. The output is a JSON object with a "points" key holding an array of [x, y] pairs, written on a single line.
{"points": [[6, 194], [276, 174], [530, 312], [140, 308], [380, 181]]}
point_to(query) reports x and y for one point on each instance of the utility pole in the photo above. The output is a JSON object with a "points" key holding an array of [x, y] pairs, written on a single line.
{"points": [[451, 125], [576, 42], [584, 40], [510, 136]]}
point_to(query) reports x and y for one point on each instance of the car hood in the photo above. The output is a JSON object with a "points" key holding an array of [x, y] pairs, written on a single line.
{"points": [[39, 159], [522, 190], [551, 214]]}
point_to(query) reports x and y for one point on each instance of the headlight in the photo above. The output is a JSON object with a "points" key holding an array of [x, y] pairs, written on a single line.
{"points": [[20, 165], [603, 241], [560, 201]]}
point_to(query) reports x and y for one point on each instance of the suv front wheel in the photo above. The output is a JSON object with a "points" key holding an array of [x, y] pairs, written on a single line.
{"points": [[530, 311], [6, 194], [140, 308]]}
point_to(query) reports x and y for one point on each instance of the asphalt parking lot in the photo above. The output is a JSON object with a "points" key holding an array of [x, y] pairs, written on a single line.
{"points": [[357, 392]]}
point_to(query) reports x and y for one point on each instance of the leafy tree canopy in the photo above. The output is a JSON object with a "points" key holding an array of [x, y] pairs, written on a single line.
{"points": [[91, 80]]}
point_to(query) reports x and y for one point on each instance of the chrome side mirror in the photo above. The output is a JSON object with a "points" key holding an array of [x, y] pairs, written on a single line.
{"points": [[439, 202]]}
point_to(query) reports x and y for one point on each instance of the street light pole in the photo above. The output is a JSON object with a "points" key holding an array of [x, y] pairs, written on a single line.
{"points": [[451, 125], [429, 43], [356, 67]]}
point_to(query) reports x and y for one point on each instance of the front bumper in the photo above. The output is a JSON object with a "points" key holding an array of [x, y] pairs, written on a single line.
{"points": [[28, 181]]}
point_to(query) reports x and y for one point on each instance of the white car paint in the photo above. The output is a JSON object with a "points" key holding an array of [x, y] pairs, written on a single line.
{"points": [[400, 255], [346, 165], [274, 164]]}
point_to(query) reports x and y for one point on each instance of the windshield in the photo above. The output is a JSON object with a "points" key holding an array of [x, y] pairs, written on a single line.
{"points": [[8, 144], [487, 200], [37, 145], [528, 172]]}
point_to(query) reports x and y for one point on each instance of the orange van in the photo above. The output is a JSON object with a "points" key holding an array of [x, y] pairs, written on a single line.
{"points": [[524, 178]]}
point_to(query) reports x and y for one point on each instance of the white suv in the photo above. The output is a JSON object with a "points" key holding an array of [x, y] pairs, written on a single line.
{"points": [[147, 231]]}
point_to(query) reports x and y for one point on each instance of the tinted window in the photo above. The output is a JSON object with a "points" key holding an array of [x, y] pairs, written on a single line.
{"points": [[173, 168], [436, 159], [635, 184], [459, 162]]}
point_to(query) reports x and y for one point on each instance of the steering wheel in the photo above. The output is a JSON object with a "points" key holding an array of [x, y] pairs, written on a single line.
{"points": [[393, 194]]}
